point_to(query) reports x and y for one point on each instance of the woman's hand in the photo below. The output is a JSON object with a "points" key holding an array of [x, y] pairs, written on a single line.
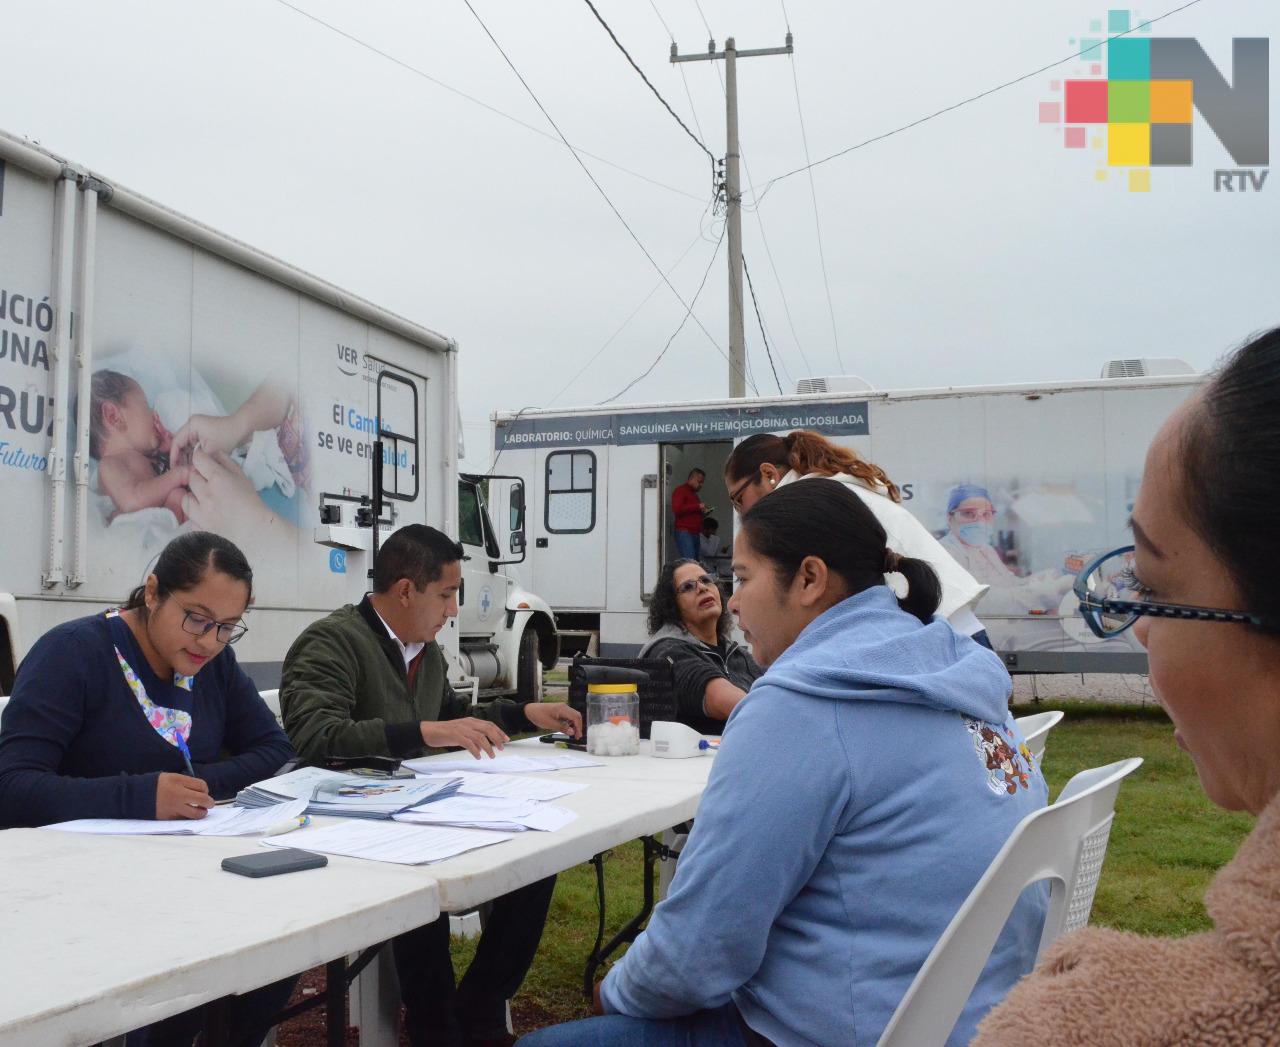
{"points": [[178, 796], [208, 432]]}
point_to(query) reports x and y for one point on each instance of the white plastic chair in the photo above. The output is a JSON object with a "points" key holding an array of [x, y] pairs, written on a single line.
{"points": [[272, 698], [1064, 843], [1035, 729]]}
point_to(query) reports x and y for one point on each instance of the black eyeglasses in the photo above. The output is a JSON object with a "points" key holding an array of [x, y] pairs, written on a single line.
{"points": [[1109, 595], [691, 584], [201, 625], [735, 496]]}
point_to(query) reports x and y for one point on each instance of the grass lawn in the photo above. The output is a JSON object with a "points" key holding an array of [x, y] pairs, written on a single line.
{"points": [[1167, 841]]}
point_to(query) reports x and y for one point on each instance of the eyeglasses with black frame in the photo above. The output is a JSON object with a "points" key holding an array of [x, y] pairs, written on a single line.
{"points": [[1110, 599], [690, 585], [735, 496], [198, 624]]}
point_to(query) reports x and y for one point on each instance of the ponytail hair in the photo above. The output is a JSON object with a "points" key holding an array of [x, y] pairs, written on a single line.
{"points": [[830, 522], [805, 452], [183, 563]]}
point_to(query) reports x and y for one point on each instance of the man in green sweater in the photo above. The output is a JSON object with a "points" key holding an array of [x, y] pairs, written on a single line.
{"points": [[371, 680]]}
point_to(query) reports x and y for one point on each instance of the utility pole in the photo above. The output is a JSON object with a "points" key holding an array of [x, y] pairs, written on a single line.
{"points": [[733, 194]]}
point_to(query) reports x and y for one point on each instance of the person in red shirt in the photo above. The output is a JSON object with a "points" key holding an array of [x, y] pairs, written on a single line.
{"points": [[688, 510]]}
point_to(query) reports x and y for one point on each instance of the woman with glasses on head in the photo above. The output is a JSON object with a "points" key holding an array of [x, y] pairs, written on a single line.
{"points": [[689, 624], [142, 712], [765, 463], [1201, 590]]}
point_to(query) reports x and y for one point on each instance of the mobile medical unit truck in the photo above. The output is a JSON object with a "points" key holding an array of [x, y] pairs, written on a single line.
{"points": [[1059, 462], [105, 295]]}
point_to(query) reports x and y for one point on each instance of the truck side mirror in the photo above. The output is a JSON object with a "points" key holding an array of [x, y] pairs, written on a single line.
{"points": [[516, 502]]}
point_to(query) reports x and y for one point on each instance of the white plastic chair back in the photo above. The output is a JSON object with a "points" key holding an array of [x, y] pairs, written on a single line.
{"points": [[1035, 729], [272, 698], [1064, 843]]}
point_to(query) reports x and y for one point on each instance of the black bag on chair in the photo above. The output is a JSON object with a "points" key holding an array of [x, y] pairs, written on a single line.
{"points": [[657, 695]]}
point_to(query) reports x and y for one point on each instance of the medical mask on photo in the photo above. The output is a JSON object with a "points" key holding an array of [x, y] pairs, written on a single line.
{"points": [[976, 533]]}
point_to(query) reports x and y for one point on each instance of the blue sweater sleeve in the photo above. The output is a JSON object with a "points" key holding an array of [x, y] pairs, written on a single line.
{"points": [[44, 715], [257, 745], [770, 809]]}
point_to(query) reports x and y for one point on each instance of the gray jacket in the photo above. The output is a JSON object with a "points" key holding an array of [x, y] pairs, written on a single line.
{"points": [[694, 665]]}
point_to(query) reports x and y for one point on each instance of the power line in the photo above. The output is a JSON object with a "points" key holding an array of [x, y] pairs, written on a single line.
{"points": [[645, 301], [594, 182], [760, 320], [663, 21], [470, 98], [683, 320], [674, 116], [958, 105], [817, 221]]}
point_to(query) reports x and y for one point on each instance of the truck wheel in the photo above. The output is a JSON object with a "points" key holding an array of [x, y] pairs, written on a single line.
{"points": [[529, 669]]}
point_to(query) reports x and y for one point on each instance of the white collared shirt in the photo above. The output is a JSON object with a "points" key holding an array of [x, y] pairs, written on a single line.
{"points": [[409, 651]]}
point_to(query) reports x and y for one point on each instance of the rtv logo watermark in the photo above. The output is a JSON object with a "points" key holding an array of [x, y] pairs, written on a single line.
{"points": [[1136, 114]]}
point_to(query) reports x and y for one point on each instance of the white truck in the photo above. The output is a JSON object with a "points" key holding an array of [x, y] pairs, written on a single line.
{"points": [[1059, 464], [110, 304]]}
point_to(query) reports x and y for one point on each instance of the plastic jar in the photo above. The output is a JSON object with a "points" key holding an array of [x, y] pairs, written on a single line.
{"points": [[613, 719]]}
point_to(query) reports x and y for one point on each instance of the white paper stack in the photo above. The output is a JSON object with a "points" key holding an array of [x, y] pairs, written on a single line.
{"points": [[220, 821], [347, 795], [387, 841], [545, 787], [504, 763], [492, 813]]}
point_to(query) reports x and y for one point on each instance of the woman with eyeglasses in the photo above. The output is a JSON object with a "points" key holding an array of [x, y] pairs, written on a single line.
{"points": [[142, 712], [1201, 590], [765, 463], [689, 624]]}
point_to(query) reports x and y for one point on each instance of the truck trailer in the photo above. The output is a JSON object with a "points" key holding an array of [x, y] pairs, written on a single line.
{"points": [[117, 313], [1059, 462]]}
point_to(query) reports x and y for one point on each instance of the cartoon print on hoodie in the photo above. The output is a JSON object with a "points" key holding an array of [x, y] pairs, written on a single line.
{"points": [[1008, 769]]}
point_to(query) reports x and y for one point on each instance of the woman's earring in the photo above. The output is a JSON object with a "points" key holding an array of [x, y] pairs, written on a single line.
{"points": [[773, 483]]}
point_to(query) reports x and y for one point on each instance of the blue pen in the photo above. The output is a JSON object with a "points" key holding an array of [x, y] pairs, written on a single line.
{"points": [[186, 753]]}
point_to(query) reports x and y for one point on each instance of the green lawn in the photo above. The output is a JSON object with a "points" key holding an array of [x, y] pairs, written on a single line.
{"points": [[1166, 843]]}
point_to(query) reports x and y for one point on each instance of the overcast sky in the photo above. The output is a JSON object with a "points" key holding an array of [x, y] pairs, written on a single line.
{"points": [[972, 249]]}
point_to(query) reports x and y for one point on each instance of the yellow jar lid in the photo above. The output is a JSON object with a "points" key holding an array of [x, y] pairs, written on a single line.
{"points": [[611, 688]]}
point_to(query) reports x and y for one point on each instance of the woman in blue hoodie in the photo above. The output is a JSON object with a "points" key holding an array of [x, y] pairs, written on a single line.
{"points": [[870, 777]]}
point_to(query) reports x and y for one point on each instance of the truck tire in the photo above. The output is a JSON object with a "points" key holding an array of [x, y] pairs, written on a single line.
{"points": [[529, 668]]}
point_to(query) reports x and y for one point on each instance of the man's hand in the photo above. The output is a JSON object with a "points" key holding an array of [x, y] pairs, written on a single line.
{"points": [[178, 796], [474, 735], [554, 716]]}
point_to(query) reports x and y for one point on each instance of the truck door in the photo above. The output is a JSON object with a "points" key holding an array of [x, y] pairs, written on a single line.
{"points": [[483, 597], [568, 527]]}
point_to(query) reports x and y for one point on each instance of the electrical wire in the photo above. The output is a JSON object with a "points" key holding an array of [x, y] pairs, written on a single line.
{"points": [[599, 188], [643, 302], [663, 21], [963, 102], [683, 320], [674, 115], [760, 320], [817, 221], [475, 101]]}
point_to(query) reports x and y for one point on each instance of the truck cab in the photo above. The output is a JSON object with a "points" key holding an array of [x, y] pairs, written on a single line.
{"points": [[506, 634]]}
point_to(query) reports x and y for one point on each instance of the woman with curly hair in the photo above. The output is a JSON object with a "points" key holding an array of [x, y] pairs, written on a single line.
{"points": [[690, 625]]}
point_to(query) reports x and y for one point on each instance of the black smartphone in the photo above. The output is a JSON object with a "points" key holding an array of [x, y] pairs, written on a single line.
{"points": [[555, 736], [273, 862]]}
